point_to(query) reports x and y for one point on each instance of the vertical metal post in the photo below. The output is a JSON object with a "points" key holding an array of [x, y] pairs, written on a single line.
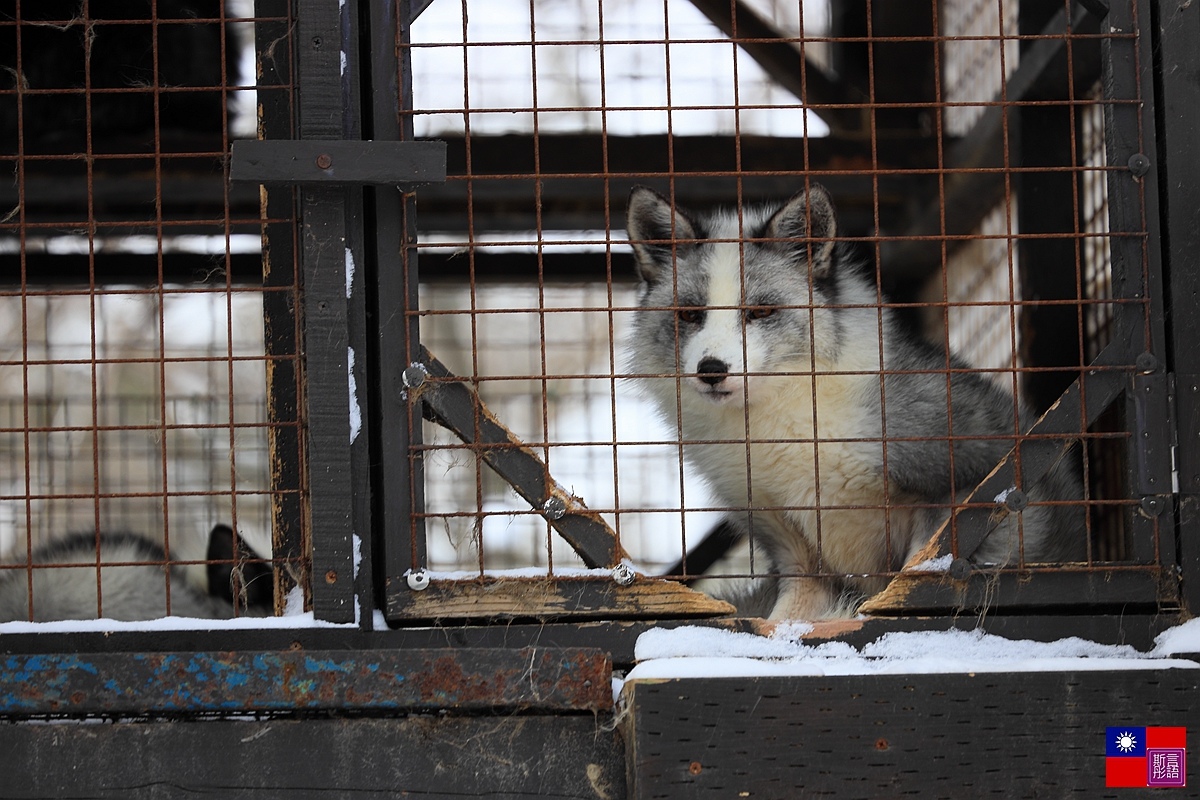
{"points": [[1177, 46], [1137, 278], [392, 266]]}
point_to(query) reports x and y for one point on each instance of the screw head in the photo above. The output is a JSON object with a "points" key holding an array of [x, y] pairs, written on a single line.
{"points": [[324, 161], [1139, 164], [414, 375], [623, 575], [417, 581], [1016, 500], [1153, 505], [554, 508]]}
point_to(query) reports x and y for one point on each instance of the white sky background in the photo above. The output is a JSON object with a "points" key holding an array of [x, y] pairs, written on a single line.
{"points": [[503, 55]]}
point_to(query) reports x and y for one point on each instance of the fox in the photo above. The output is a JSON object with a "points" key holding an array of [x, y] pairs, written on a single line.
{"points": [[817, 418], [135, 587]]}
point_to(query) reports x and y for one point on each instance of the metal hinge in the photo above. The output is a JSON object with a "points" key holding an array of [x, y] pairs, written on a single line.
{"points": [[1154, 432]]}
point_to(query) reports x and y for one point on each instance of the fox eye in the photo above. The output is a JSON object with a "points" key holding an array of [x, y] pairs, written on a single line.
{"points": [[759, 312], [691, 316]]}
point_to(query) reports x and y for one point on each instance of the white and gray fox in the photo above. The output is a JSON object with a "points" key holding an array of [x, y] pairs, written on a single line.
{"points": [[817, 419], [133, 582]]}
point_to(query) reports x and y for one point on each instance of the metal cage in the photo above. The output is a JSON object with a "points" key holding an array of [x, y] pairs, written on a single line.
{"points": [[346, 289]]}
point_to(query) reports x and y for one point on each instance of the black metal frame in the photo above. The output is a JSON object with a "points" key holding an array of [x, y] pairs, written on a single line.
{"points": [[353, 485]]}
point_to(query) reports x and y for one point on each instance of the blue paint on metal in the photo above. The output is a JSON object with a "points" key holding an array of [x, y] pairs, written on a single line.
{"points": [[117, 683]]}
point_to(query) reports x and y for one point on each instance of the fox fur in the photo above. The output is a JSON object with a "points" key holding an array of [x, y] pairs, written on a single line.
{"points": [[814, 416]]}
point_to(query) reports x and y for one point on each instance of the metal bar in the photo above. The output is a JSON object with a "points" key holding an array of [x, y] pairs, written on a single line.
{"points": [[449, 402], [1137, 267], [378, 163], [1176, 30], [392, 680], [393, 269]]}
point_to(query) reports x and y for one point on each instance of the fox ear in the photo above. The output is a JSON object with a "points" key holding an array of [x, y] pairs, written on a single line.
{"points": [[656, 229], [807, 215]]}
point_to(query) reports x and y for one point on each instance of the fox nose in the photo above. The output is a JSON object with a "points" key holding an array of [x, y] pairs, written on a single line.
{"points": [[712, 371]]}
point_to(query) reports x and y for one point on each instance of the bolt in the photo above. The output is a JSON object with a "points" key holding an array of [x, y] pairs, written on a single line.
{"points": [[1153, 506], [1139, 165], [960, 569], [414, 376], [1016, 500], [324, 161], [331, 576], [1146, 362], [554, 508], [623, 574], [418, 581]]}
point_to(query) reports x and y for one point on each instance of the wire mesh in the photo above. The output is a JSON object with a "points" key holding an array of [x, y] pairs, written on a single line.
{"points": [[137, 428], [983, 226]]}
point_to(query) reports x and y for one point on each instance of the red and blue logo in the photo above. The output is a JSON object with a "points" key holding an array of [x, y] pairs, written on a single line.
{"points": [[1140, 756]]}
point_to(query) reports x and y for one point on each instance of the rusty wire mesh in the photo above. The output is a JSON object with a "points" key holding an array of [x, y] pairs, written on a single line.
{"points": [[133, 365], [554, 110]]}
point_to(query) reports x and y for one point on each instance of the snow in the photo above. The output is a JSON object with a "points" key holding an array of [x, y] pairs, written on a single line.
{"points": [[355, 408], [294, 621], [1183, 638], [519, 572], [941, 564], [694, 652]]}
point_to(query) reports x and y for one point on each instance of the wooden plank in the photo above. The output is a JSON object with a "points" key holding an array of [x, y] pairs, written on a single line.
{"points": [[549, 598], [986, 591], [281, 278], [295, 680], [1043, 446], [616, 637], [325, 113], [930, 736], [457, 407], [392, 264], [309, 161], [578, 756], [326, 372], [1179, 177]]}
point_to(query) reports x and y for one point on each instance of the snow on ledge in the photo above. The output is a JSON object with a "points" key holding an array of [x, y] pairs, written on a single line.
{"points": [[294, 617], [306, 620], [696, 652]]}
